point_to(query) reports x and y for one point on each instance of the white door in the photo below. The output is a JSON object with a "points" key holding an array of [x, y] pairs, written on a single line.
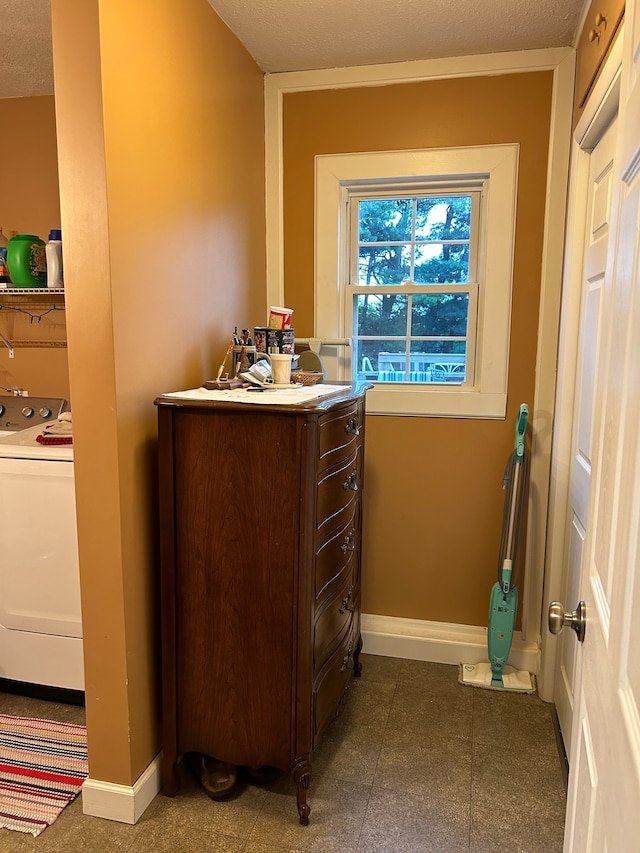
{"points": [[604, 780], [596, 241]]}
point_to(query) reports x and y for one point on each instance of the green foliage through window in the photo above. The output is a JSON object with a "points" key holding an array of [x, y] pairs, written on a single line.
{"points": [[413, 286]]}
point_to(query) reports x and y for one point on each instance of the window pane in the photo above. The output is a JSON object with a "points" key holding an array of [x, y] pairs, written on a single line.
{"points": [[453, 348], [381, 360], [440, 315], [385, 220], [384, 264], [424, 240], [429, 361], [443, 218], [438, 361], [381, 314], [438, 263]]}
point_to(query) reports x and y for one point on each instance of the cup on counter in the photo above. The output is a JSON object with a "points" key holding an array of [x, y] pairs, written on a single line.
{"points": [[281, 368], [280, 318]]}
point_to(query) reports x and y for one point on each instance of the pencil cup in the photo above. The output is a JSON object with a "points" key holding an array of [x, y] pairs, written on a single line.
{"points": [[243, 358]]}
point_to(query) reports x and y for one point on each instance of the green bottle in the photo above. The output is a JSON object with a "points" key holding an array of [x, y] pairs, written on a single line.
{"points": [[27, 261]]}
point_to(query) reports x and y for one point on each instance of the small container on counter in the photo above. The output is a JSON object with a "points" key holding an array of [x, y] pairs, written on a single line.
{"points": [[274, 340]]}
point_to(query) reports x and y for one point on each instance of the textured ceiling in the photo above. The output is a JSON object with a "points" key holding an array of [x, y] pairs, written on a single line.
{"points": [[293, 35], [26, 65]]}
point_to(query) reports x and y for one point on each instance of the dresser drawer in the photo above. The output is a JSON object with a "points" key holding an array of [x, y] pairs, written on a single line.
{"points": [[337, 434], [333, 621], [337, 488], [331, 688], [334, 555]]}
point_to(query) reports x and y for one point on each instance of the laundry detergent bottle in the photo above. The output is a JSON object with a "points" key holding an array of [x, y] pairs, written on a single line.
{"points": [[26, 260], [53, 254]]}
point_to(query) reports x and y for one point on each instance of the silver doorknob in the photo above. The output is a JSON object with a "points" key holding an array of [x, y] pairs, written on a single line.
{"points": [[576, 619]]}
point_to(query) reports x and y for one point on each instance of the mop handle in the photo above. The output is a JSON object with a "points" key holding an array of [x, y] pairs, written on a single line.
{"points": [[512, 510], [518, 455]]}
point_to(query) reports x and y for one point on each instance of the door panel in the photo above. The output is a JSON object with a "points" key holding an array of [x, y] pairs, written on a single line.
{"points": [[594, 262], [604, 783]]}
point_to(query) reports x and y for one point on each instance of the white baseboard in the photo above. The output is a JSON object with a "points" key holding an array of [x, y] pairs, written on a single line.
{"points": [[124, 803], [438, 642]]}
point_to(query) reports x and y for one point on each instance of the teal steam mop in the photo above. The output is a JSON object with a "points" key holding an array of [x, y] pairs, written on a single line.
{"points": [[503, 604]]}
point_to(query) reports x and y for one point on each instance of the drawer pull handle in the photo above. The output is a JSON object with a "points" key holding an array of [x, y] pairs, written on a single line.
{"points": [[351, 426], [347, 660], [594, 35], [351, 482], [349, 543], [600, 19], [347, 602]]}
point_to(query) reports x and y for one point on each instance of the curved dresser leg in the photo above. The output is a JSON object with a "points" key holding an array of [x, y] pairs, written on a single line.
{"points": [[301, 775]]}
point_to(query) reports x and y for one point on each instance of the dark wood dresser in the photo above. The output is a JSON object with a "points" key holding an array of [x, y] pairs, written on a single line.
{"points": [[260, 534]]}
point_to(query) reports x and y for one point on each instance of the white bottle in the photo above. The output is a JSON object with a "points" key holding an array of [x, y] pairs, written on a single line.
{"points": [[53, 254]]}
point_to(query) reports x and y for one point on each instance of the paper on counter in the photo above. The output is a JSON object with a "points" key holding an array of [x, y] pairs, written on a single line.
{"points": [[283, 397]]}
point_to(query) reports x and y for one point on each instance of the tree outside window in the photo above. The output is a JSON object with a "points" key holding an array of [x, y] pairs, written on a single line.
{"points": [[413, 277]]}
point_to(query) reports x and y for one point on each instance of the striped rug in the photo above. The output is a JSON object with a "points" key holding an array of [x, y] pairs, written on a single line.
{"points": [[42, 767]]}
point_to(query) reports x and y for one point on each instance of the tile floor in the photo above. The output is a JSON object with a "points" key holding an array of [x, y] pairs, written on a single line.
{"points": [[416, 763]]}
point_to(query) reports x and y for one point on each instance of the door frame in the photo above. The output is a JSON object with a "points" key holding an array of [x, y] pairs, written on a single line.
{"points": [[600, 108]]}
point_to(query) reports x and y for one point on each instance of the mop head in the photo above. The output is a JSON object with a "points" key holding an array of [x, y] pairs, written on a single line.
{"points": [[514, 680]]}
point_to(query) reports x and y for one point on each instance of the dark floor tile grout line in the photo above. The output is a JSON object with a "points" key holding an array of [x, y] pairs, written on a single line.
{"points": [[364, 819], [473, 761], [254, 824], [375, 770]]}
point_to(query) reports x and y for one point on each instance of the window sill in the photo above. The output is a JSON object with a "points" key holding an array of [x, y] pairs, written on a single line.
{"points": [[435, 402]]}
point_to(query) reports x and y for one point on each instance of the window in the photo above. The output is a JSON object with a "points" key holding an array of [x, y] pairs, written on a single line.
{"points": [[414, 255], [412, 288]]}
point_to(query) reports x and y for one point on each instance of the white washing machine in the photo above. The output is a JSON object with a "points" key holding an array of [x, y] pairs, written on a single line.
{"points": [[40, 617]]}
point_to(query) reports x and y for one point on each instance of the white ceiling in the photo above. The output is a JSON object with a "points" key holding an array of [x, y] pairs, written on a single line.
{"points": [[295, 35], [26, 65]]}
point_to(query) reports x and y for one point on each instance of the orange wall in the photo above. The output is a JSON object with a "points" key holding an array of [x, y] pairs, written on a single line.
{"points": [[161, 141], [433, 506], [30, 203]]}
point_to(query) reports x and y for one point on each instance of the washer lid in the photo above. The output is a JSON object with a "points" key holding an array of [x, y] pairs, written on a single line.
{"points": [[24, 445]]}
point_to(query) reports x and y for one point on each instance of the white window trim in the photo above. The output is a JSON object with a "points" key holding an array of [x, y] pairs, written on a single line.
{"points": [[334, 174]]}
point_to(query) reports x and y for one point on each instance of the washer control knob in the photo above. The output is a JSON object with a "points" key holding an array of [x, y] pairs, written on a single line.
{"points": [[27, 412], [44, 412], [2, 409]]}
